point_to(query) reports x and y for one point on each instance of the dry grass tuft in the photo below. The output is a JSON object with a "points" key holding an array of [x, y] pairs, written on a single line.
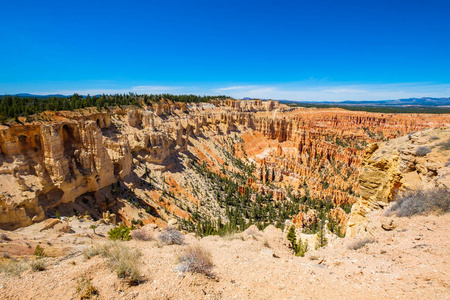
{"points": [[170, 236], [358, 244], [232, 236], [12, 267], [38, 265], [421, 202], [121, 259], [141, 234], [195, 260], [86, 289]]}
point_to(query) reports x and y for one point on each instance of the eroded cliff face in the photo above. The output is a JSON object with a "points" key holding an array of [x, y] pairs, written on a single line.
{"points": [[409, 162], [136, 162], [45, 164]]}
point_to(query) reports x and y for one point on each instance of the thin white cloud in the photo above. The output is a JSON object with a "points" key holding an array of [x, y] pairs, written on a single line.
{"points": [[239, 87], [342, 92], [345, 91]]}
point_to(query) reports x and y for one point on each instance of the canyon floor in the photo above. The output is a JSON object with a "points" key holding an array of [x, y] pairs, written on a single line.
{"points": [[409, 262]]}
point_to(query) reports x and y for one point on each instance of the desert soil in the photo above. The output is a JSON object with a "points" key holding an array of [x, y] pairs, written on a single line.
{"points": [[409, 262]]}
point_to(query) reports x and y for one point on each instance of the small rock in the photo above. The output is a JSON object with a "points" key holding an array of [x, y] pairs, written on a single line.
{"points": [[62, 227], [388, 224], [49, 223], [268, 252]]}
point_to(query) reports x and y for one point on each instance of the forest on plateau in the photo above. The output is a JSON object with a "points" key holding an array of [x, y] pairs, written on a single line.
{"points": [[12, 107]]}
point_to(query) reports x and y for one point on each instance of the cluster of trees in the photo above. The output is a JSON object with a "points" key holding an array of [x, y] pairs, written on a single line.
{"points": [[299, 247], [15, 106], [241, 211]]}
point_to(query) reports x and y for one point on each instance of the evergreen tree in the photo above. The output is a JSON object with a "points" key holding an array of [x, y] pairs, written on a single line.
{"points": [[291, 236], [302, 247], [321, 238]]}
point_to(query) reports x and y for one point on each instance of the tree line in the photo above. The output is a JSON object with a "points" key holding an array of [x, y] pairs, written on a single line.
{"points": [[15, 106]]}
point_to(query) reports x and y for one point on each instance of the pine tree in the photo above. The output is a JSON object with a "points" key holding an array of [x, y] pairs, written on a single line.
{"points": [[302, 248], [292, 238], [299, 247], [321, 238]]}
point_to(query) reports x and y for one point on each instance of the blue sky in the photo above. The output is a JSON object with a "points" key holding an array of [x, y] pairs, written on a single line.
{"points": [[298, 50]]}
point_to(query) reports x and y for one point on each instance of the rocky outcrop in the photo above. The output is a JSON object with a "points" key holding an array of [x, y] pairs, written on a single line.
{"points": [[305, 219], [43, 165], [416, 160]]}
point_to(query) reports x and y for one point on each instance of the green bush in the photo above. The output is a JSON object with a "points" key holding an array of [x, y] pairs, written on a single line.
{"points": [[39, 252], [121, 232]]}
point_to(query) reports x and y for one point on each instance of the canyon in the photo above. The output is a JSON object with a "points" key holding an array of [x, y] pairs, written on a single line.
{"points": [[137, 162]]}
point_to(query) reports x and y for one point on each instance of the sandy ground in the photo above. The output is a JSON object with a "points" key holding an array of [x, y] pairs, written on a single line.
{"points": [[409, 262]]}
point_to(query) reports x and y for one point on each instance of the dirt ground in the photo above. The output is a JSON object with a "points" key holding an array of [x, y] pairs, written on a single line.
{"points": [[409, 262]]}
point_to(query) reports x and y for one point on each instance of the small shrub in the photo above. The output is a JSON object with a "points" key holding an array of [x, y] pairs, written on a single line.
{"points": [[421, 202], [37, 265], [93, 227], [39, 252], [444, 145], [422, 151], [171, 236], [121, 232], [358, 244], [195, 260], [266, 243], [86, 289], [141, 235]]}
